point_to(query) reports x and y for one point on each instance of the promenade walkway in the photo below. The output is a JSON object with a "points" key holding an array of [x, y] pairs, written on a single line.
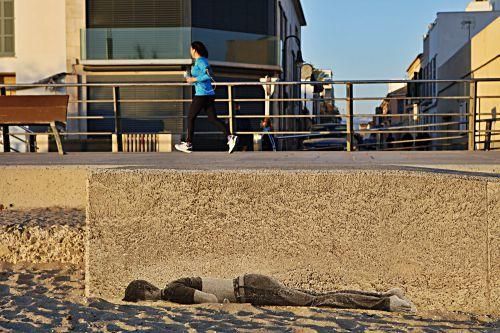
{"points": [[477, 162]]}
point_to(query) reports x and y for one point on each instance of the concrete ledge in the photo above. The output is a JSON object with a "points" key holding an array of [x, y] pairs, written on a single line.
{"points": [[433, 234], [43, 187]]}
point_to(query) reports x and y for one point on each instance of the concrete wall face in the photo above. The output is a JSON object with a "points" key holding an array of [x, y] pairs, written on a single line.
{"points": [[40, 40], [494, 243], [75, 21], [318, 230]]}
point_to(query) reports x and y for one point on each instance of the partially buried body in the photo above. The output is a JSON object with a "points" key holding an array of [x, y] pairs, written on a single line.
{"points": [[264, 290]]}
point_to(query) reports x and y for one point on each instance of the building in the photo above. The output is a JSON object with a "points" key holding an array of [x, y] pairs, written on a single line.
{"points": [[127, 41], [483, 5], [413, 72], [479, 58], [450, 32], [390, 115]]}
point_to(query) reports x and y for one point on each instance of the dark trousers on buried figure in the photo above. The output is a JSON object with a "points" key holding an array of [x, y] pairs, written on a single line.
{"points": [[263, 290], [206, 103]]}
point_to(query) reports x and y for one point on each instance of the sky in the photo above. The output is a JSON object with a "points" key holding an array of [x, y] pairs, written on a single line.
{"points": [[368, 39]]}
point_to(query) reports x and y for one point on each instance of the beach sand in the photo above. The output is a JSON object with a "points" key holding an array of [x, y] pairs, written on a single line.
{"points": [[42, 290], [42, 236]]}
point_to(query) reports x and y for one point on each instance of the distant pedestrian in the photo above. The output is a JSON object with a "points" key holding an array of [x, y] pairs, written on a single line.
{"points": [[201, 77], [268, 142]]}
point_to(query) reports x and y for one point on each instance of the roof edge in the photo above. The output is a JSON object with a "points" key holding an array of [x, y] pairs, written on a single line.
{"points": [[300, 12]]}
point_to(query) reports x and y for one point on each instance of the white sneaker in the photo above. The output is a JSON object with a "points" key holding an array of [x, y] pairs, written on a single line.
{"points": [[231, 142], [184, 147]]}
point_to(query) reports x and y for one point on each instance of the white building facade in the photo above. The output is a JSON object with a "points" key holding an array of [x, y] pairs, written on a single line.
{"points": [[446, 36]]}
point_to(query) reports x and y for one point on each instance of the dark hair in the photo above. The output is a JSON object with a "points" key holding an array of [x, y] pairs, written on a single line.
{"points": [[200, 48], [266, 122], [136, 290]]}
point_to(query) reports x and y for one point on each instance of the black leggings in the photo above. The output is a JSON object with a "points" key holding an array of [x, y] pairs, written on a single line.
{"points": [[207, 103]]}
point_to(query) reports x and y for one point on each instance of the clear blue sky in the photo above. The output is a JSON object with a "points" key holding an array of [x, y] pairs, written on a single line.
{"points": [[368, 39]]}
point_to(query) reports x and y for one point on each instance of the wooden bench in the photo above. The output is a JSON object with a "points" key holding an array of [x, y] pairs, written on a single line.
{"points": [[33, 110]]}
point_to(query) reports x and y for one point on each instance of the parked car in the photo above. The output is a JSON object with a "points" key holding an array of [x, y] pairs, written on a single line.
{"points": [[331, 141]]}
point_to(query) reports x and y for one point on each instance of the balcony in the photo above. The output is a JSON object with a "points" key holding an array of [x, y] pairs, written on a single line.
{"points": [[171, 45]]}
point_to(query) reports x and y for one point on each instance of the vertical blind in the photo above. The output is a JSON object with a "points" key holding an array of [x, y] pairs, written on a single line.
{"points": [[255, 16], [135, 115], [135, 13], [250, 16]]}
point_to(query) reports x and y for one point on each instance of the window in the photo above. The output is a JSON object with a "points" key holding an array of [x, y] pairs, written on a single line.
{"points": [[401, 106], [255, 17], [135, 115], [134, 13], [6, 28]]}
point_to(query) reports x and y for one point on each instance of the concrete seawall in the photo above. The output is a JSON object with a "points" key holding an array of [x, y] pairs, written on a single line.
{"points": [[436, 235], [28, 187]]}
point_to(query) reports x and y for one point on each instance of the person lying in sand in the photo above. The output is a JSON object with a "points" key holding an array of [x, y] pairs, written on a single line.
{"points": [[264, 290]]}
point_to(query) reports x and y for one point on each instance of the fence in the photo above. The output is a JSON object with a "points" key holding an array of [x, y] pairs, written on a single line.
{"points": [[410, 119]]}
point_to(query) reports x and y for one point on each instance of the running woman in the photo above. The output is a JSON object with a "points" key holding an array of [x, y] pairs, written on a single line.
{"points": [[204, 98]]}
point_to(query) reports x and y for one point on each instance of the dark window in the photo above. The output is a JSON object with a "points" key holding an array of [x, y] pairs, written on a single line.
{"points": [[256, 16], [137, 117], [401, 106], [135, 13]]}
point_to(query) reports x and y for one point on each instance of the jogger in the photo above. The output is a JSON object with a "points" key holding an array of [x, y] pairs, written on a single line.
{"points": [[206, 103], [204, 99]]}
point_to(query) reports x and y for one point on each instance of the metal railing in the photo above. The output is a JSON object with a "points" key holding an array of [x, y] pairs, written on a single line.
{"points": [[460, 127]]}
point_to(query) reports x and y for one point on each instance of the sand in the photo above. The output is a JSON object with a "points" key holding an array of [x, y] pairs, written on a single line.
{"points": [[42, 235], [47, 294], [47, 297]]}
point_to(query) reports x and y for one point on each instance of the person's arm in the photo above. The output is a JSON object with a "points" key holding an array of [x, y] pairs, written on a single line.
{"points": [[200, 297], [203, 69], [186, 291]]}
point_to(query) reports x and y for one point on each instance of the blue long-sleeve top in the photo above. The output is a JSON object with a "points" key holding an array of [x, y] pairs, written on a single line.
{"points": [[200, 71]]}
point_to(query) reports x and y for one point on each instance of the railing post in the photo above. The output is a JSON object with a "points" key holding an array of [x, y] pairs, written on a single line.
{"points": [[116, 110], [230, 108], [487, 140], [350, 116], [472, 116], [109, 44], [5, 129], [5, 139]]}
